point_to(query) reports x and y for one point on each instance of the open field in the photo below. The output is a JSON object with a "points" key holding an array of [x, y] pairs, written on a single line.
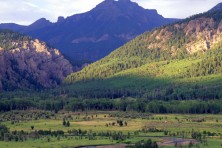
{"points": [[158, 127]]}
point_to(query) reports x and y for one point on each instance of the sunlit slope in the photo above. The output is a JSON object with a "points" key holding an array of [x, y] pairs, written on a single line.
{"points": [[180, 61]]}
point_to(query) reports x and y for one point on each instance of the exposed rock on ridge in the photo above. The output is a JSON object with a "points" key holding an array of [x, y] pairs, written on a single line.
{"points": [[201, 34], [32, 64]]}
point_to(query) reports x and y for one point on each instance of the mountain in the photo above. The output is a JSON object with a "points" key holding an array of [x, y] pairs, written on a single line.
{"points": [[92, 35], [39, 24], [27, 63], [216, 8], [12, 26], [179, 61]]}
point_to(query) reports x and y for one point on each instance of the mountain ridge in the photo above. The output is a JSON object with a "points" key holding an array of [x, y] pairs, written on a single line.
{"points": [[90, 36], [216, 8]]}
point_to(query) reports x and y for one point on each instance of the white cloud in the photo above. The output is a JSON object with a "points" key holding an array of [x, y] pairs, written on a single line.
{"points": [[23, 12], [179, 8], [27, 11], [30, 4], [69, 7]]}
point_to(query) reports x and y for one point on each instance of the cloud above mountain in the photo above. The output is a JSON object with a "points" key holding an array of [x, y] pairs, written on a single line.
{"points": [[27, 11]]}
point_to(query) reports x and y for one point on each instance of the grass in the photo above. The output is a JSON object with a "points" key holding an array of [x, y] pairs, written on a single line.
{"points": [[54, 143], [174, 125], [170, 122], [96, 124]]}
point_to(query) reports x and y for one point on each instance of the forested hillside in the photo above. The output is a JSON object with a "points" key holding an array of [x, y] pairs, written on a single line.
{"points": [[179, 61]]}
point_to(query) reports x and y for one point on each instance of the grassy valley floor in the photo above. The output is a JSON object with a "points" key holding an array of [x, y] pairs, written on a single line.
{"points": [[94, 126]]}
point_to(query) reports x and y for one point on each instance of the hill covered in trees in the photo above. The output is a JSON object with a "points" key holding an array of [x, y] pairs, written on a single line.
{"points": [[178, 61]]}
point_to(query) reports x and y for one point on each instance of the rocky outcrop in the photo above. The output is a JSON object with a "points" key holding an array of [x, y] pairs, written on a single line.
{"points": [[197, 35], [32, 64]]}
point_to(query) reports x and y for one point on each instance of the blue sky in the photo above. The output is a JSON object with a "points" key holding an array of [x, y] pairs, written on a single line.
{"points": [[27, 11]]}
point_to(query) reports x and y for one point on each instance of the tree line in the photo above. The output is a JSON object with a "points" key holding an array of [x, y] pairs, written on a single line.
{"points": [[10, 39], [123, 104]]}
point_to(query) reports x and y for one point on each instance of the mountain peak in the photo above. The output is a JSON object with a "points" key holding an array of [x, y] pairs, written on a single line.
{"points": [[217, 7], [60, 19], [125, 1], [42, 22], [109, 3], [106, 3]]}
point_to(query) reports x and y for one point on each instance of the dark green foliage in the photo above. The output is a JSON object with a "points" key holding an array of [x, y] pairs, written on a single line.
{"points": [[20, 104], [3, 130], [151, 129], [196, 135], [216, 15], [65, 123], [49, 132], [120, 122], [145, 144], [139, 105], [10, 40], [23, 115], [210, 64], [22, 136]]}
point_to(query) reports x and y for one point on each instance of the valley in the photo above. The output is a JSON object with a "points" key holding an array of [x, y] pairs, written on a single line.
{"points": [[116, 76], [103, 128]]}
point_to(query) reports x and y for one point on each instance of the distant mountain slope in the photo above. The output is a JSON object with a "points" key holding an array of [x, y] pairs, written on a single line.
{"points": [[216, 8], [12, 26], [26, 63], [182, 60], [92, 35]]}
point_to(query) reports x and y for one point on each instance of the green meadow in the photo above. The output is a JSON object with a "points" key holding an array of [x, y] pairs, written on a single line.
{"points": [[139, 127]]}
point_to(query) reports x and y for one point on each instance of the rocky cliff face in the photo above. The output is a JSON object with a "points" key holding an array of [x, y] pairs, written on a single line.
{"points": [[31, 64], [197, 35]]}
